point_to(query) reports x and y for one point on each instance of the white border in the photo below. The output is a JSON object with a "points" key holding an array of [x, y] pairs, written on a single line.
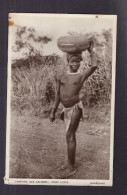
{"points": [[71, 182]]}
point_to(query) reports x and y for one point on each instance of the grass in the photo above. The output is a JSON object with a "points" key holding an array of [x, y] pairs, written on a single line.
{"points": [[34, 88], [38, 147]]}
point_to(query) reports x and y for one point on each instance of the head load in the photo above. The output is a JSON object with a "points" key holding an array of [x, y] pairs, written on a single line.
{"points": [[73, 44]]}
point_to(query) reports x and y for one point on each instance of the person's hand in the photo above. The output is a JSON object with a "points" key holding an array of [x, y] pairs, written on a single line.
{"points": [[52, 117]]}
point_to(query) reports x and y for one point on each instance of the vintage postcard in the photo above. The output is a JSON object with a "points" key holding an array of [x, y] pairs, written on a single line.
{"points": [[60, 99]]}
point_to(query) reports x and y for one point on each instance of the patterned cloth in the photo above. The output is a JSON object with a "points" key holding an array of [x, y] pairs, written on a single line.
{"points": [[66, 114]]}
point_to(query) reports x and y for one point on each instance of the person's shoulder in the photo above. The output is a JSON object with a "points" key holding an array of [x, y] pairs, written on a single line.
{"points": [[81, 73], [62, 75]]}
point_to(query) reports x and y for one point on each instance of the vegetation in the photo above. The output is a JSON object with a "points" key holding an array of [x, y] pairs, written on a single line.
{"points": [[34, 76]]}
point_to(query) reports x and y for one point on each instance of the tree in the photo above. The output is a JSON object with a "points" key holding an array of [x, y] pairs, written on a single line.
{"points": [[29, 42]]}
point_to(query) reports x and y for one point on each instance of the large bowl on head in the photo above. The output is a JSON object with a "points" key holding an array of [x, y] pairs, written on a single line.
{"points": [[73, 44]]}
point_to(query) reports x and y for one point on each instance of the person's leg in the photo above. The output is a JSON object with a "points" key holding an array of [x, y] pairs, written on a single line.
{"points": [[71, 138]]}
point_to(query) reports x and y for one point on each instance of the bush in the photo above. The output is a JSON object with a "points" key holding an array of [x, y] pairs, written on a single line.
{"points": [[34, 87]]}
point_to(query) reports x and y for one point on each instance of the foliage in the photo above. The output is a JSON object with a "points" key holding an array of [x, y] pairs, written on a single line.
{"points": [[97, 88], [34, 88], [34, 83], [29, 41]]}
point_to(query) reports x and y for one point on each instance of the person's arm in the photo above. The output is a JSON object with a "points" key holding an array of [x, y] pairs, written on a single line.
{"points": [[93, 63], [56, 103]]}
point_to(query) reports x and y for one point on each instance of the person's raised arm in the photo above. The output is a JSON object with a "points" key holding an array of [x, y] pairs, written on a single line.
{"points": [[93, 63], [56, 103]]}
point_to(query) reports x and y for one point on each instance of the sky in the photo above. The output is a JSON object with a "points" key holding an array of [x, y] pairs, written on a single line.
{"points": [[58, 25]]}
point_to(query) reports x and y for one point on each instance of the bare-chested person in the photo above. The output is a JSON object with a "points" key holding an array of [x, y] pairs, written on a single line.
{"points": [[68, 87]]}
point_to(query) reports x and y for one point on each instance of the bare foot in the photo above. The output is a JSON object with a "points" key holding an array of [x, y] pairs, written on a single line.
{"points": [[68, 173], [63, 167], [55, 176]]}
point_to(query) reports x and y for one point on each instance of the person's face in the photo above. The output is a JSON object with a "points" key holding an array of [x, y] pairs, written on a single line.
{"points": [[74, 64]]}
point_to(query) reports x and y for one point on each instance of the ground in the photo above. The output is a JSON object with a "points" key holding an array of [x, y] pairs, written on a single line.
{"points": [[38, 148]]}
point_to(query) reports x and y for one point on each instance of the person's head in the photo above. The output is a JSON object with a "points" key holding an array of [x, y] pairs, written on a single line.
{"points": [[74, 61]]}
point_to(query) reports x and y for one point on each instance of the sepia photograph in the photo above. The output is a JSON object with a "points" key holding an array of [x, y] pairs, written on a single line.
{"points": [[60, 99]]}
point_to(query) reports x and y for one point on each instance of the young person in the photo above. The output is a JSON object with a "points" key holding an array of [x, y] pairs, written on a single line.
{"points": [[68, 87]]}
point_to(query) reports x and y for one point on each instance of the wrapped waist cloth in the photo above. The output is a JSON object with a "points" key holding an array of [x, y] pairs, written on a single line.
{"points": [[66, 113]]}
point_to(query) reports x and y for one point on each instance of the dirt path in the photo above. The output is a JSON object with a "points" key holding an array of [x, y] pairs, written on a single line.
{"points": [[38, 149]]}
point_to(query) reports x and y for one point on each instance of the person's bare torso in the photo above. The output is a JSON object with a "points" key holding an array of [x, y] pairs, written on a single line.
{"points": [[70, 85]]}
